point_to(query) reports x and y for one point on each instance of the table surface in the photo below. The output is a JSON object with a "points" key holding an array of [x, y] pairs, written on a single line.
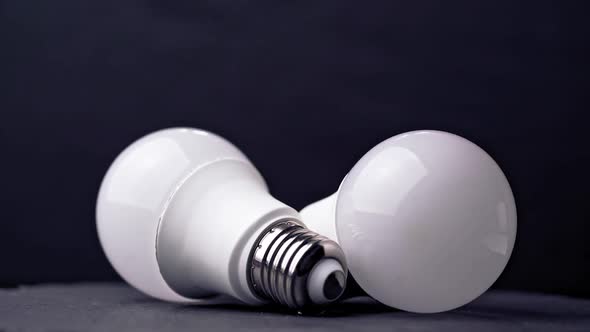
{"points": [[118, 307]]}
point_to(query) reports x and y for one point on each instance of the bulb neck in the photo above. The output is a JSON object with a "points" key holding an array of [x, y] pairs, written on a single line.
{"points": [[296, 267], [221, 224]]}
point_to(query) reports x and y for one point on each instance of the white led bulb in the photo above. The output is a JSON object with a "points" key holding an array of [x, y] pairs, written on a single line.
{"points": [[183, 215], [426, 219]]}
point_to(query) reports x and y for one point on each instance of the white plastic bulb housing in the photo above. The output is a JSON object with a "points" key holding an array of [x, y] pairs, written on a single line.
{"points": [[183, 215], [426, 219]]}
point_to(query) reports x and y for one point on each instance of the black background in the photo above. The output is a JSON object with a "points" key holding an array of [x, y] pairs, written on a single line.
{"points": [[305, 88]]}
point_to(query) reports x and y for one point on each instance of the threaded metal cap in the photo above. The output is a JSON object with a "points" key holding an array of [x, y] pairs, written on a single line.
{"points": [[285, 256]]}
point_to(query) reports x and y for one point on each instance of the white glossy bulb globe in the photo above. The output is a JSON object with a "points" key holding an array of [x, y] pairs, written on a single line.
{"points": [[183, 215], [426, 219]]}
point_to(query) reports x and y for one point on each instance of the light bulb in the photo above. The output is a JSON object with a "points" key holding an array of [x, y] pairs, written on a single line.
{"points": [[426, 219], [183, 215]]}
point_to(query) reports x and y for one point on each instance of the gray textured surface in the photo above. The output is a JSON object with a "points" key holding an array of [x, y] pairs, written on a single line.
{"points": [[117, 307]]}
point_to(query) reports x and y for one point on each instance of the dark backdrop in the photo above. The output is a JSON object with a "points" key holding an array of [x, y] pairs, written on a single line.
{"points": [[304, 88]]}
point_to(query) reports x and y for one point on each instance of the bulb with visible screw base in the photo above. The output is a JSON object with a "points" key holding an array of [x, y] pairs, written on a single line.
{"points": [[183, 215]]}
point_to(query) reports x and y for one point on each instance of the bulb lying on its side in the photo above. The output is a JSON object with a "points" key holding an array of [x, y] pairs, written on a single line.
{"points": [[183, 215], [426, 219]]}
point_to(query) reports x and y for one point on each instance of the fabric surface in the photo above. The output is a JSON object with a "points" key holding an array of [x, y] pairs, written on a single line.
{"points": [[117, 307]]}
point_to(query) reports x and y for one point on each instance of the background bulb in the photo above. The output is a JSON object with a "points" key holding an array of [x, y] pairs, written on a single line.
{"points": [[427, 221]]}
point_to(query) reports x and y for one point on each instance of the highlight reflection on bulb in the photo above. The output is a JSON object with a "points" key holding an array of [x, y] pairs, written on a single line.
{"points": [[183, 215], [426, 219]]}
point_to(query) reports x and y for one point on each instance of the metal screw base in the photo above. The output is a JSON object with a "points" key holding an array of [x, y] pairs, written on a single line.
{"points": [[282, 260]]}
